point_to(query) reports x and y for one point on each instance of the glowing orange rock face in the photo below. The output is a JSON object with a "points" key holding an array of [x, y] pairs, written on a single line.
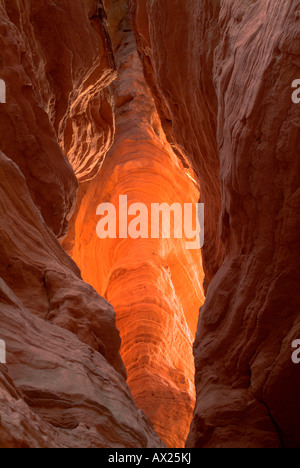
{"points": [[221, 73], [62, 384], [153, 284]]}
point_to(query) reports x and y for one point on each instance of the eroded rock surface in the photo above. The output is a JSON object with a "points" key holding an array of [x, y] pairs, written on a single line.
{"points": [[58, 392], [57, 63], [221, 74], [61, 340], [63, 384], [155, 285]]}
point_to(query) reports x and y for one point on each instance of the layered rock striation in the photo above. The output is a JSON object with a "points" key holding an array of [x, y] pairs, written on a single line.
{"points": [[57, 64], [63, 384], [197, 107], [155, 285], [221, 74]]}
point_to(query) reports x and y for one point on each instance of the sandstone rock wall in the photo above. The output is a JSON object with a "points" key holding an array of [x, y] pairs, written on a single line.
{"points": [[155, 285], [218, 123], [63, 384], [221, 73], [57, 64]]}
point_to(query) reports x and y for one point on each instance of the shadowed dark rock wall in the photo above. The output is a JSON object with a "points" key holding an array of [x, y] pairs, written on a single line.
{"points": [[222, 82]]}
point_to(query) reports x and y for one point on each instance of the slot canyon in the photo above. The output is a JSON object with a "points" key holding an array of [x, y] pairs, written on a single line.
{"points": [[122, 342]]}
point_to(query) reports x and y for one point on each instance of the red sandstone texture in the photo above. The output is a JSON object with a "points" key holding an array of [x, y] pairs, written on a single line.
{"points": [[221, 74], [63, 384], [210, 117], [56, 83], [154, 285]]}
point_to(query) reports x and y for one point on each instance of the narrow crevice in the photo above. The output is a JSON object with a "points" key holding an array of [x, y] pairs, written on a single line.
{"points": [[282, 445]]}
